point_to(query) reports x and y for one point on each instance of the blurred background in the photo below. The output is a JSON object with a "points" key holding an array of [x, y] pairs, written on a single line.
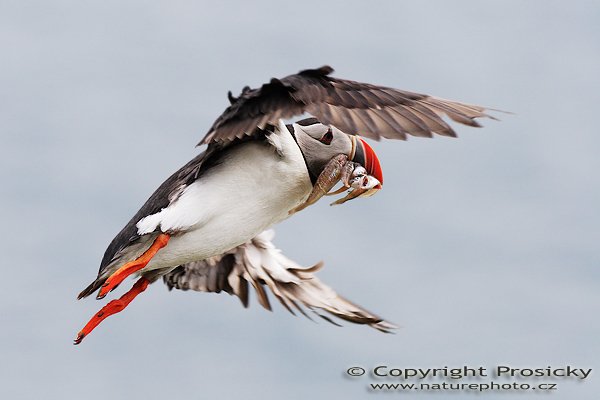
{"points": [[483, 248]]}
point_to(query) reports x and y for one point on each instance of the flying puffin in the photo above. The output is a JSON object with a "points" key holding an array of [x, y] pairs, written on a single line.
{"points": [[206, 228]]}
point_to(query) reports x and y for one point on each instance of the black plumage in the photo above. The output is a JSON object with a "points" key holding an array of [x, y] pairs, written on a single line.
{"points": [[166, 193]]}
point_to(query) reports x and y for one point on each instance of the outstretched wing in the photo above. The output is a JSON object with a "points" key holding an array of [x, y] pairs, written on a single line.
{"points": [[355, 108], [261, 265]]}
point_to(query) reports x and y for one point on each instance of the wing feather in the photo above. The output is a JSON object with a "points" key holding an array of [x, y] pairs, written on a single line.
{"points": [[412, 124], [397, 131], [260, 264], [354, 107]]}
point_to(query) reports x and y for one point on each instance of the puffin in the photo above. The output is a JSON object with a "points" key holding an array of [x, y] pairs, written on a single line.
{"points": [[207, 227]]}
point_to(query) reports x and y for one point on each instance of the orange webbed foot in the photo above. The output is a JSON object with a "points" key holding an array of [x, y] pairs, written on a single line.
{"points": [[111, 308], [119, 275]]}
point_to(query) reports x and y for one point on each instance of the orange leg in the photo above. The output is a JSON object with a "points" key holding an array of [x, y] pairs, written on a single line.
{"points": [[119, 275], [112, 307]]}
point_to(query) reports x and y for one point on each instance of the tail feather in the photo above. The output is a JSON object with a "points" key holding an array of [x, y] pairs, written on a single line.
{"points": [[92, 288]]}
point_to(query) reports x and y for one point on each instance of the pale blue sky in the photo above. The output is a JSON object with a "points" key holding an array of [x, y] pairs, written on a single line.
{"points": [[483, 248]]}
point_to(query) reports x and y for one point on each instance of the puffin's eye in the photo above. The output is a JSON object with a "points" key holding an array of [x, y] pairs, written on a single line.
{"points": [[327, 137]]}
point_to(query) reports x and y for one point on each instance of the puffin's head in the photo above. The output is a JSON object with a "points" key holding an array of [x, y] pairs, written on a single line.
{"points": [[320, 143]]}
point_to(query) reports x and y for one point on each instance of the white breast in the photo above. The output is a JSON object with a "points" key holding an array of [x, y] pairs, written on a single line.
{"points": [[253, 188]]}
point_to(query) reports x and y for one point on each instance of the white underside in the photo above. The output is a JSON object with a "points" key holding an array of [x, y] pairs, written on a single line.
{"points": [[254, 188]]}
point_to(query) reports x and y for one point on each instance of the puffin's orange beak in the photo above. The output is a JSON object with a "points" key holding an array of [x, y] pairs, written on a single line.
{"points": [[365, 155]]}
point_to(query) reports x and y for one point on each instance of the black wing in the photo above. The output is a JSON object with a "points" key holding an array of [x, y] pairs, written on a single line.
{"points": [[355, 108], [260, 264]]}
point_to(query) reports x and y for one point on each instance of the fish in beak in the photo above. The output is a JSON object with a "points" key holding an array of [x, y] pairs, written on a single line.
{"points": [[365, 155]]}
